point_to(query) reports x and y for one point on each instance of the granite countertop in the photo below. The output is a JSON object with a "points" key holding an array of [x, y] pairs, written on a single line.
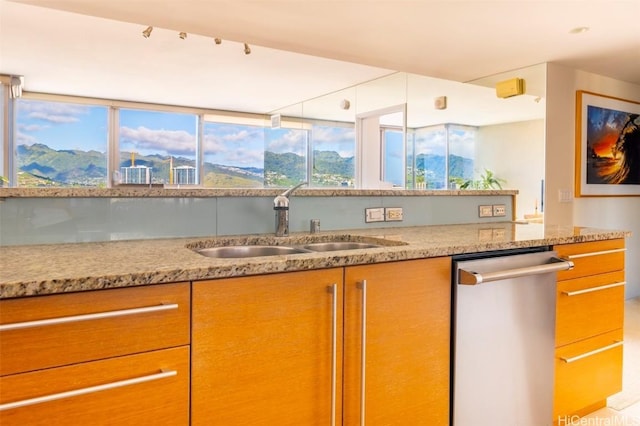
{"points": [[159, 191], [58, 268]]}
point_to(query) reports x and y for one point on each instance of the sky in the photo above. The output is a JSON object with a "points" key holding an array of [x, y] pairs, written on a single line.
{"points": [[62, 125]]}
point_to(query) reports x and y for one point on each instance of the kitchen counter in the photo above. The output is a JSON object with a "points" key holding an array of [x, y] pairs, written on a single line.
{"points": [[58, 268]]}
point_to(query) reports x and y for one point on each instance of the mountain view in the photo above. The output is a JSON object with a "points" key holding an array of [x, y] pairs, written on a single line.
{"points": [[431, 169], [40, 165]]}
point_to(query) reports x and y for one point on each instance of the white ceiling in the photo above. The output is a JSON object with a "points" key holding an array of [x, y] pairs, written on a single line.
{"points": [[339, 43]]}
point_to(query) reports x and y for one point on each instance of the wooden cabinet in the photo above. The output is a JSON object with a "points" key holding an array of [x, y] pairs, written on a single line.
{"points": [[397, 338], [589, 321], [269, 349], [101, 357]]}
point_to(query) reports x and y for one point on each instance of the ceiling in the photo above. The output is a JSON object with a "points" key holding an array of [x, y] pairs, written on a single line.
{"points": [[300, 49]]}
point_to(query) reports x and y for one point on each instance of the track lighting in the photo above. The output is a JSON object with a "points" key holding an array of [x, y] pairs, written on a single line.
{"points": [[183, 35]]}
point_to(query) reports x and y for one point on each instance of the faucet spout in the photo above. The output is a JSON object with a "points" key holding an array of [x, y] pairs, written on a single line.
{"points": [[281, 207]]}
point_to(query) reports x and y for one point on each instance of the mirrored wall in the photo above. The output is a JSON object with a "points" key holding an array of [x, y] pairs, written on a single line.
{"points": [[453, 135]]}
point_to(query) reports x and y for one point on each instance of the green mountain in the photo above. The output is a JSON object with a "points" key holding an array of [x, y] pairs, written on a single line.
{"points": [[433, 167], [74, 167], [40, 165]]}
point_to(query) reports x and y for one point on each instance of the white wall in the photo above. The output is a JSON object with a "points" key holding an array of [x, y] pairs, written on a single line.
{"points": [[515, 152], [601, 212]]}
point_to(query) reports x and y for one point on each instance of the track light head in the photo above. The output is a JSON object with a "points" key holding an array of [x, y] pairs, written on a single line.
{"points": [[247, 49], [146, 33], [182, 35], [218, 40]]}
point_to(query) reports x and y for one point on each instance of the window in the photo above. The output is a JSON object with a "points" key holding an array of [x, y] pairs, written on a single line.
{"points": [[443, 156], [333, 154], [430, 157], [285, 157], [393, 158], [157, 147], [461, 141], [233, 155], [60, 144], [4, 179]]}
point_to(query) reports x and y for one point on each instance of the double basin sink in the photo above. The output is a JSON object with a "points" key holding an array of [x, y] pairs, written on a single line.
{"points": [[242, 248]]}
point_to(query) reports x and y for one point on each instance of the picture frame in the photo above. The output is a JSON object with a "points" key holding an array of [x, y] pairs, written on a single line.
{"points": [[607, 150]]}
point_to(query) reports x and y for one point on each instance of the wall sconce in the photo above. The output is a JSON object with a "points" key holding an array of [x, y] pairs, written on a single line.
{"points": [[247, 49], [146, 33], [182, 35]]}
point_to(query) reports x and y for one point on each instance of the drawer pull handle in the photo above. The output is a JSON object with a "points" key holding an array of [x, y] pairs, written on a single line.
{"points": [[595, 253], [87, 317], [363, 352], [87, 390], [594, 352], [334, 350], [472, 278], [592, 289]]}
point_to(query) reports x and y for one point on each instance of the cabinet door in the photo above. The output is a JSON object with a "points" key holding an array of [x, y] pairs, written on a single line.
{"points": [[55, 330], [146, 389], [404, 379], [587, 372], [267, 349]]}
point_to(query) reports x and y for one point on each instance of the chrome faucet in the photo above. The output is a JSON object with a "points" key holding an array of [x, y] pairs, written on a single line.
{"points": [[281, 207]]}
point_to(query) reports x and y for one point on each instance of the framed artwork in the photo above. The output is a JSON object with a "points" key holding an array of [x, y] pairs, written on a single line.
{"points": [[607, 146]]}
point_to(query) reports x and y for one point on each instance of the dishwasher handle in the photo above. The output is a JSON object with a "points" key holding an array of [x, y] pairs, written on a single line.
{"points": [[472, 278]]}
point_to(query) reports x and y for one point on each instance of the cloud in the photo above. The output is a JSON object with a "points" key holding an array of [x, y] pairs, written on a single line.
{"points": [[32, 127], [244, 158], [52, 112], [241, 148], [24, 139], [339, 139], [291, 141], [175, 142]]}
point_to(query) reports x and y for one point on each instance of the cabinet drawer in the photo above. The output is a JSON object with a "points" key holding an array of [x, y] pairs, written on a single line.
{"points": [[145, 389], [587, 372], [589, 306], [129, 320], [592, 258]]}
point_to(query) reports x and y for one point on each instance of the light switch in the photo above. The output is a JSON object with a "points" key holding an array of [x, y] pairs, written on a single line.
{"points": [[374, 215]]}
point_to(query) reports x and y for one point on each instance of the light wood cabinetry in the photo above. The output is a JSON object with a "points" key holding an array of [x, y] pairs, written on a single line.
{"points": [[397, 338], [101, 357], [265, 350], [589, 321]]}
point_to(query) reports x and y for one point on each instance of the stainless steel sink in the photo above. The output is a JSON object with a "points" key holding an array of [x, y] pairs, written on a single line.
{"points": [[339, 245], [232, 248], [232, 252]]}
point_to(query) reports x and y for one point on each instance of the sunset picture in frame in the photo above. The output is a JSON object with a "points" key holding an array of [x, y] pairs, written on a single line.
{"points": [[607, 146]]}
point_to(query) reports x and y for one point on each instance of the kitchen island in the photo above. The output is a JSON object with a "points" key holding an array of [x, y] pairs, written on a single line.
{"points": [[308, 338]]}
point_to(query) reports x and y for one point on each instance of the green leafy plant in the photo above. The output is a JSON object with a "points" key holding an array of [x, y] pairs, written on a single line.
{"points": [[488, 180]]}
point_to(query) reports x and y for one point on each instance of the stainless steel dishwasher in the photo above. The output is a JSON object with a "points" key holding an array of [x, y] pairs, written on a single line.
{"points": [[503, 337]]}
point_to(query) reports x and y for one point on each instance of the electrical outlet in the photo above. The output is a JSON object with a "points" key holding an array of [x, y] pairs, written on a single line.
{"points": [[393, 214], [499, 210], [485, 211], [374, 215]]}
